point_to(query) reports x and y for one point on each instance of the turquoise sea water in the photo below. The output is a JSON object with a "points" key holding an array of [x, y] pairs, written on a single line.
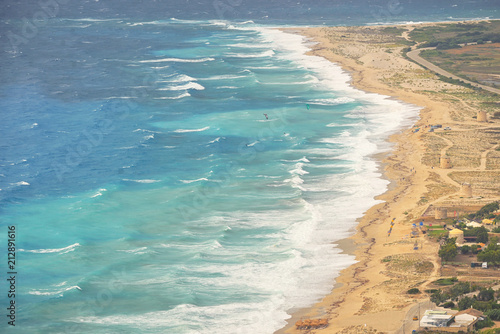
{"points": [[179, 175]]}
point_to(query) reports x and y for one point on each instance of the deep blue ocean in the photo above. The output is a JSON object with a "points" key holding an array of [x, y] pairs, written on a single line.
{"points": [[181, 166]]}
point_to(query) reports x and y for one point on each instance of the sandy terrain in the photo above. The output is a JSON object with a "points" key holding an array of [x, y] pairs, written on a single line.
{"points": [[370, 296]]}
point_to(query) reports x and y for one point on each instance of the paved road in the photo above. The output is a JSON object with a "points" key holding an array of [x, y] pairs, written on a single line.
{"points": [[415, 55], [409, 324]]}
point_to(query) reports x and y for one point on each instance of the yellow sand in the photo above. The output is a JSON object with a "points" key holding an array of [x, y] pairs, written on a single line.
{"points": [[370, 296]]}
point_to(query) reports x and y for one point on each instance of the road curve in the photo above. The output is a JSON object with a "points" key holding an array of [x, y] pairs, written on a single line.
{"points": [[415, 56]]}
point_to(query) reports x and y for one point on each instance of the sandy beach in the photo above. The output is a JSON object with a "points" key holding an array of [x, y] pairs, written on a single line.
{"points": [[370, 296]]}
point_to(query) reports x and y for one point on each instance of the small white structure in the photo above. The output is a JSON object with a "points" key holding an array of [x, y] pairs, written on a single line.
{"points": [[436, 319], [467, 318], [473, 224]]}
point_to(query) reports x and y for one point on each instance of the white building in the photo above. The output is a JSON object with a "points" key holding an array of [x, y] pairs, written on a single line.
{"points": [[435, 319]]}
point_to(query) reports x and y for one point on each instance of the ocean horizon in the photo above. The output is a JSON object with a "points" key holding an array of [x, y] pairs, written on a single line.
{"points": [[181, 167]]}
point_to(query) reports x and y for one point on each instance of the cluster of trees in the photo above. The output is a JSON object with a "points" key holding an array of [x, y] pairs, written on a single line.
{"points": [[442, 297], [486, 212], [491, 254], [449, 250], [481, 233], [485, 301]]}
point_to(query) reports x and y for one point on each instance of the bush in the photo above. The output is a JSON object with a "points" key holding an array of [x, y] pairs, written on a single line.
{"points": [[460, 289], [465, 303], [493, 314], [449, 250], [486, 295], [484, 323], [475, 249], [445, 281], [413, 291], [480, 232], [449, 304], [465, 249]]}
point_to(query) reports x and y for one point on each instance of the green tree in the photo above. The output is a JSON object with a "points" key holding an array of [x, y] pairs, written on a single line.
{"points": [[482, 234], [486, 295], [465, 249], [486, 322], [491, 254], [465, 303], [493, 314], [449, 250]]}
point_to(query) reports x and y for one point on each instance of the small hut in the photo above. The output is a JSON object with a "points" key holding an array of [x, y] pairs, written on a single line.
{"points": [[456, 233]]}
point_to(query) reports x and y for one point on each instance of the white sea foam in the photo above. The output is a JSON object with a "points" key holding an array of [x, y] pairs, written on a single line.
{"points": [[183, 95], [120, 97], [145, 130], [63, 250], [177, 60], [268, 53], [21, 183], [189, 85], [177, 78], [53, 292], [224, 77], [252, 45], [191, 130], [335, 101], [298, 170], [197, 180], [139, 251], [142, 181], [237, 318], [99, 193], [216, 244], [216, 140]]}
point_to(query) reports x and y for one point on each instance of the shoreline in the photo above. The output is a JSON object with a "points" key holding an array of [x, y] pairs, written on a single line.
{"points": [[360, 300]]}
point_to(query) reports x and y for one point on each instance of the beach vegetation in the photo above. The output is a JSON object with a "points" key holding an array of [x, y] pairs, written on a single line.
{"points": [[413, 291]]}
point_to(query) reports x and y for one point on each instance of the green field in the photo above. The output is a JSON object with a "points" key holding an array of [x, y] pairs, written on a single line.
{"points": [[468, 50]]}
